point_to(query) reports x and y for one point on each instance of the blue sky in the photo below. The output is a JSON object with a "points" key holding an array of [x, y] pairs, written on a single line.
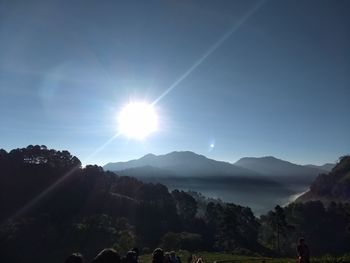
{"points": [[278, 85]]}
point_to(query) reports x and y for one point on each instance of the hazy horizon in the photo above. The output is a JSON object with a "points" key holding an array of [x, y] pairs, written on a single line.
{"points": [[232, 162]]}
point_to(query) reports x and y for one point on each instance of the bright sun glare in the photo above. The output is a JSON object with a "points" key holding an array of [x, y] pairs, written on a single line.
{"points": [[137, 120]]}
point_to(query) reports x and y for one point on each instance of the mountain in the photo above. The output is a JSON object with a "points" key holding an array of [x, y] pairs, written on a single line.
{"points": [[327, 167], [276, 167], [183, 164], [259, 183], [280, 170], [147, 172], [332, 186]]}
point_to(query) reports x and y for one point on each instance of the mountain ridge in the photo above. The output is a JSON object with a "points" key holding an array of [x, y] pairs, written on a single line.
{"points": [[327, 166], [182, 163], [187, 163], [270, 165]]}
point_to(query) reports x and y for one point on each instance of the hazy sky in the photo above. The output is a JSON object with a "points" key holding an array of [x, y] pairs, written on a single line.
{"points": [[278, 85]]}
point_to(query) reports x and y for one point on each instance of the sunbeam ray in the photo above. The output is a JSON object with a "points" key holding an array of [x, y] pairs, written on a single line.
{"points": [[35, 200], [101, 147], [214, 47]]}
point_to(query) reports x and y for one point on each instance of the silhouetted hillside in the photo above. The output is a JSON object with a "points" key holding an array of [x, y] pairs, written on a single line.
{"points": [[332, 186], [182, 164], [50, 207]]}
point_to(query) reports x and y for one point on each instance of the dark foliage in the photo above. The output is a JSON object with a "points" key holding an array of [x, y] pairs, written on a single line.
{"points": [[326, 229], [51, 207]]}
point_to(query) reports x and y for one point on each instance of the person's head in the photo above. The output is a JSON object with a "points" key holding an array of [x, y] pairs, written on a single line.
{"points": [[158, 255], [301, 241], [172, 254], [75, 258], [166, 258], [136, 250], [131, 257], [108, 255]]}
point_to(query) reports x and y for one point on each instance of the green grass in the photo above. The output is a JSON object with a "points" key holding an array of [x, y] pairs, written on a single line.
{"points": [[210, 257]]}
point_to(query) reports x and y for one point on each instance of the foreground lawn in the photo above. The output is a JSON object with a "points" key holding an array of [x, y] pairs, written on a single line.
{"points": [[210, 257]]}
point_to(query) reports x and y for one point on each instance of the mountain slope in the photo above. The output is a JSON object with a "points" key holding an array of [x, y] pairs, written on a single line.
{"points": [[334, 186], [276, 167], [147, 172], [182, 164], [327, 166]]}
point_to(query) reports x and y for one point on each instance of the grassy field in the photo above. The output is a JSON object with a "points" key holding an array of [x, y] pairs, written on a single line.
{"points": [[210, 257]]}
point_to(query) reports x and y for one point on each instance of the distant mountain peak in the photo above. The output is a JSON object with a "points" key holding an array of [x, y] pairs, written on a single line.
{"points": [[173, 153], [265, 158], [183, 163], [148, 156], [185, 153], [187, 163], [270, 157]]}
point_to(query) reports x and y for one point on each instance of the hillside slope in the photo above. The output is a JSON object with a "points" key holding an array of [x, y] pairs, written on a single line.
{"points": [[272, 166], [333, 186]]}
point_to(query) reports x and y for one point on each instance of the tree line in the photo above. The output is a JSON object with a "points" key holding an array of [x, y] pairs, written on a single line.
{"points": [[89, 208]]}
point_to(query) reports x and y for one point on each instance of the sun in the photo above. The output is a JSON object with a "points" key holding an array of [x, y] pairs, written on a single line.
{"points": [[137, 120]]}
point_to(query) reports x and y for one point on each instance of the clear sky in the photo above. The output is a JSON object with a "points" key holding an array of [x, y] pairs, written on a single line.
{"points": [[252, 78]]}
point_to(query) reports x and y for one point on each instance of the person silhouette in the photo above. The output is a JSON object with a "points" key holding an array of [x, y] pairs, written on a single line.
{"points": [[131, 257], [75, 258], [303, 251], [107, 255], [137, 253], [158, 256]]}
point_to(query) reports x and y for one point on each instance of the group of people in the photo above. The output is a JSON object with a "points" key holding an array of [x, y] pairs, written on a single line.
{"points": [[168, 257], [107, 255], [110, 255]]}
